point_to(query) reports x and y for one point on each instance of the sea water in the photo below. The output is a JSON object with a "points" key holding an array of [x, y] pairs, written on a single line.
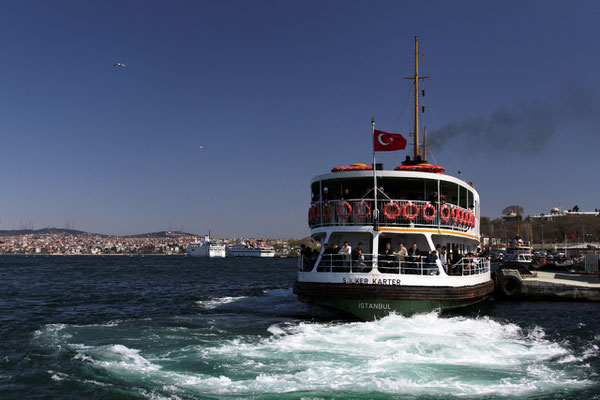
{"points": [[120, 327]]}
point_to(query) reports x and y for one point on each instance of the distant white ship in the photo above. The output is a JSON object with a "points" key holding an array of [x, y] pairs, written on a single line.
{"points": [[244, 250], [206, 249]]}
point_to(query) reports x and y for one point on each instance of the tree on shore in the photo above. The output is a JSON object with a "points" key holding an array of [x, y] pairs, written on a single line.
{"points": [[517, 210]]}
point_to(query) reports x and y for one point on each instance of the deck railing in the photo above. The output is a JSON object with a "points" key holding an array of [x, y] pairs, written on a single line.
{"points": [[391, 213], [392, 265]]}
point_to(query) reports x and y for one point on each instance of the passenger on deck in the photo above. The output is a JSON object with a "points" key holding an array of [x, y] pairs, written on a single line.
{"points": [[346, 253], [414, 253], [358, 257], [402, 253], [444, 258], [335, 257], [361, 259], [431, 268], [386, 258], [346, 194], [433, 198], [314, 256], [455, 259], [306, 253]]}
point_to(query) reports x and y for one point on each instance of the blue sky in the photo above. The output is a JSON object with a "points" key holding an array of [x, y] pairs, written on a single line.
{"points": [[280, 91]]}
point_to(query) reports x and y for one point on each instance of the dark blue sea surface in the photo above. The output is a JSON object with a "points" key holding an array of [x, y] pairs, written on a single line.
{"points": [[117, 327]]}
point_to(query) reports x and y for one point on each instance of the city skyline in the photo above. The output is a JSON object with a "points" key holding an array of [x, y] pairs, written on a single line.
{"points": [[223, 112]]}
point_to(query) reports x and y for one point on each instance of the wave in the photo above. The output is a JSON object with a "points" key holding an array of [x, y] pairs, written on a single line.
{"points": [[280, 302], [211, 304], [422, 355]]}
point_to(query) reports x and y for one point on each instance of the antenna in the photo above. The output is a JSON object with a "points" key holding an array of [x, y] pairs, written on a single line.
{"points": [[424, 143], [416, 78]]}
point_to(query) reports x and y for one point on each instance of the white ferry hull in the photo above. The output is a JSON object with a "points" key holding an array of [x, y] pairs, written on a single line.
{"points": [[212, 251], [369, 302]]}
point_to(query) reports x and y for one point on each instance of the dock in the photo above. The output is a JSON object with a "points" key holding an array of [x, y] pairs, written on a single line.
{"points": [[545, 285]]}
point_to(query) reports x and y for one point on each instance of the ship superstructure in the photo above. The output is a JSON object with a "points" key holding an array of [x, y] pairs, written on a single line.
{"points": [[402, 240]]}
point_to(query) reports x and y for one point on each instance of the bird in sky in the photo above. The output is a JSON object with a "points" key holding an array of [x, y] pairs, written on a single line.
{"points": [[202, 148], [119, 65]]}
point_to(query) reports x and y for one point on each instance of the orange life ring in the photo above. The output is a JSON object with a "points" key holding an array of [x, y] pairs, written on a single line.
{"points": [[326, 211], [461, 216], [455, 214], [365, 205], [444, 213], [311, 215], [421, 168], [427, 207], [353, 167], [348, 213], [395, 214], [415, 211]]}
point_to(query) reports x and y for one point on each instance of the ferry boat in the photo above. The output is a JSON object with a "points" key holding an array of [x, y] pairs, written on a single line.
{"points": [[375, 211], [245, 250], [206, 249]]}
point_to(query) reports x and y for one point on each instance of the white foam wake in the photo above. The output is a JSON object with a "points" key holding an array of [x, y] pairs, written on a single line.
{"points": [[424, 355], [217, 302]]}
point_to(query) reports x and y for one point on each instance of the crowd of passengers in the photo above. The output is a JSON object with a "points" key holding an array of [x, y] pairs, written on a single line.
{"points": [[346, 195], [410, 258]]}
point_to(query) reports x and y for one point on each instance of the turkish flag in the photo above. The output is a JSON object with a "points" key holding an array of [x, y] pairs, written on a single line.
{"points": [[383, 141]]}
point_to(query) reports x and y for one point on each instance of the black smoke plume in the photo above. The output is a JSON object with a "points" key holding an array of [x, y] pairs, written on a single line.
{"points": [[521, 127]]}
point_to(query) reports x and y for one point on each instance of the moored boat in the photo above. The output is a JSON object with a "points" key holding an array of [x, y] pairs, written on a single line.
{"points": [[518, 256], [247, 250], [380, 233]]}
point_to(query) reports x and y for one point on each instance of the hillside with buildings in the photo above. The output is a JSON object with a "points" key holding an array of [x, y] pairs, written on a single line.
{"points": [[573, 225], [71, 242]]}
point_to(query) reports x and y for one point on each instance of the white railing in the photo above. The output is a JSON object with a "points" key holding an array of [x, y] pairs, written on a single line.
{"points": [[470, 266], [391, 213], [391, 265]]}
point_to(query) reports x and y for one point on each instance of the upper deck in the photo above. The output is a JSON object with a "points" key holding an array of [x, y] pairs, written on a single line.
{"points": [[404, 199]]}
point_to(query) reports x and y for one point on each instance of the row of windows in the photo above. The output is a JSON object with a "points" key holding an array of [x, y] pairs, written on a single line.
{"points": [[393, 188]]}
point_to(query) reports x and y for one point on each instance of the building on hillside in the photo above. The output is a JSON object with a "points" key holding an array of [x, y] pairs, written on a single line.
{"points": [[557, 212]]}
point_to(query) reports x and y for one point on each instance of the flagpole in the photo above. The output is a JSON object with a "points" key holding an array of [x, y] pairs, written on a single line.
{"points": [[375, 209]]}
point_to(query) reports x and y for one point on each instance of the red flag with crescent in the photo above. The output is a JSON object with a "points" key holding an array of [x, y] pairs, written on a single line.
{"points": [[384, 141]]}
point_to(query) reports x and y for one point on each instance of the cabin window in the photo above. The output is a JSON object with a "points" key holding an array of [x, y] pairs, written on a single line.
{"points": [[355, 188], [315, 192], [449, 190], [462, 197]]}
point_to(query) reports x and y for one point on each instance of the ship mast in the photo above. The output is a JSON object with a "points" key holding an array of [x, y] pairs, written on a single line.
{"points": [[415, 79]]}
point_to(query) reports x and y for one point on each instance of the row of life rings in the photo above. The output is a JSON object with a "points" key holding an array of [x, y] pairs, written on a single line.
{"points": [[411, 211], [392, 211], [462, 217]]}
